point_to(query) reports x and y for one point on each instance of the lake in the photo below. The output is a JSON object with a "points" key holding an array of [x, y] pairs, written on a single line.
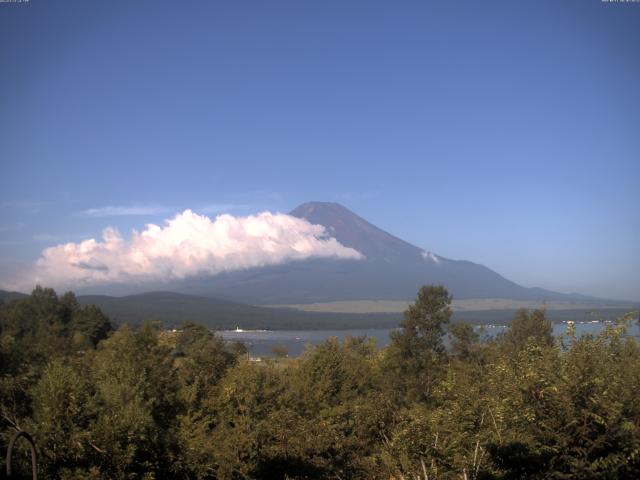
{"points": [[260, 342]]}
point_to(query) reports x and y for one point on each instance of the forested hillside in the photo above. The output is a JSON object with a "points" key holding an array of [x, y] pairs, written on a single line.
{"points": [[172, 309], [146, 403]]}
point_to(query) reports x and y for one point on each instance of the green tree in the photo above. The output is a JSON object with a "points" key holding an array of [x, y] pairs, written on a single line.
{"points": [[91, 324], [528, 326], [417, 353], [136, 403], [464, 340], [62, 415], [202, 363], [337, 386]]}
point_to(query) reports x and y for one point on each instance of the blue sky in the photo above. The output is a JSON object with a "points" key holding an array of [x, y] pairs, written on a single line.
{"points": [[506, 133]]}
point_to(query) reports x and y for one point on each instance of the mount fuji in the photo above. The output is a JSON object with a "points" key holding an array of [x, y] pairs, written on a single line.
{"points": [[391, 269]]}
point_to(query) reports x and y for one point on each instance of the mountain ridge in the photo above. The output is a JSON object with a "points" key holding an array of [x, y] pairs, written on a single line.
{"points": [[392, 269], [372, 241], [336, 219]]}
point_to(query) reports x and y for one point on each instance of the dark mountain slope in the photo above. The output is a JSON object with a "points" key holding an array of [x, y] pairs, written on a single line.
{"points": [[354, 231], [8, 296], [392, 269]]}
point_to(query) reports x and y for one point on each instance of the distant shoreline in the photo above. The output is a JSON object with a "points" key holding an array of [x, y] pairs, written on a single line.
{"points": [[462, 305]]}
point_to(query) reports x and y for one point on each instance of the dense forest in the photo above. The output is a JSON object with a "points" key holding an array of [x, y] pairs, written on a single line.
{"points": [[148, 403]]}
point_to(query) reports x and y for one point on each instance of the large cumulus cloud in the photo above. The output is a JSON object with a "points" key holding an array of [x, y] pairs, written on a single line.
{"points": [[188, 244]]}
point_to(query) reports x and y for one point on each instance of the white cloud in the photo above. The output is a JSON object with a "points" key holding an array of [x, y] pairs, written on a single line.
{"points": [[120, 211], [430, 256], [188, 244]]}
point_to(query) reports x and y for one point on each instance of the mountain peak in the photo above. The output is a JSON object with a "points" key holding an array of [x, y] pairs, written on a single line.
{"points": [[308, 208], [392, 269], [355, 232]]}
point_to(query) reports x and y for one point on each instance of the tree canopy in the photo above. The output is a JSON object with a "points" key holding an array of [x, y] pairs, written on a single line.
{"points": [[151, 403]]}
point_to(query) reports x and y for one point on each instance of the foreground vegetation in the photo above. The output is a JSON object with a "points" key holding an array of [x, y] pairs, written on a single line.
{"points": [[143, 403]]}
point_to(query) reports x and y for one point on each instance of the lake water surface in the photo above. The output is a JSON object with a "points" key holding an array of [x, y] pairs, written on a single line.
{"points": [[261, 342]]}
